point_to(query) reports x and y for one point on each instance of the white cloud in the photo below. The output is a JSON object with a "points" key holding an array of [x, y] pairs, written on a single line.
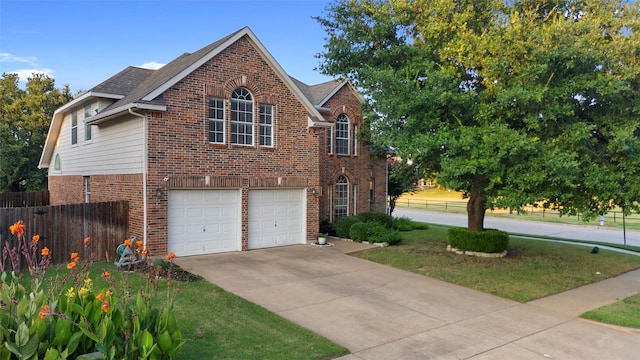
{"points": [[153, 65], [24, 74], [6, 57]]}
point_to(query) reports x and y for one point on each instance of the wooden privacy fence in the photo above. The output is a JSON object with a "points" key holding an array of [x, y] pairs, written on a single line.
{"points": [[22, 199], [62, 229]]}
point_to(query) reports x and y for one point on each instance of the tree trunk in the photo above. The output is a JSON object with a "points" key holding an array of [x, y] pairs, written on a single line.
{"points": [[476, 208]]}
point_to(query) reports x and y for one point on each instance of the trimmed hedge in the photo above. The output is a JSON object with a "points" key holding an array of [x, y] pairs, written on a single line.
{"points": [[376, 216], [487, 241], [374, 232], [343, 225], [359, 232], [406, 224]]}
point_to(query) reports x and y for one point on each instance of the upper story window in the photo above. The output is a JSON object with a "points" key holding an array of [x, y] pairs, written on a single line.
{"points": [[266, 125], [216, 121], [87, 127], [241, 117], [342, 135], [74, 127]]}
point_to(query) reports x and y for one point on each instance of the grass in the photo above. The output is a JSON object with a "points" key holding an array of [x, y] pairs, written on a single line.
{"points": [[435, 199], [532, 269], [221, 325], [625, 312]]}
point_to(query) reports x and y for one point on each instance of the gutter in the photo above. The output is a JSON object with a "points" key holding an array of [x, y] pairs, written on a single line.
{"points": [[144, 175]]}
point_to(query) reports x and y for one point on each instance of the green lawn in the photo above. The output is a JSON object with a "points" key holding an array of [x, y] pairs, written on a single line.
{"points": [[625, 312], [221, 325], [532, 269]]}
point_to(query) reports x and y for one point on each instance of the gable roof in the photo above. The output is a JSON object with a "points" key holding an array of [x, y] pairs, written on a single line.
{"points": [[136, 88]]}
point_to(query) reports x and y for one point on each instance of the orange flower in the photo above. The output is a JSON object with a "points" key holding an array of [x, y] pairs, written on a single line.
{"points": [[75, 257], [86, 240], [172, 255], [18, 229], [71, 265], [44, 312], [127, 242], [35, 238], [100, 296], [145, 251], [106, 275], [105, 307], [45, 251], [139, 243]]}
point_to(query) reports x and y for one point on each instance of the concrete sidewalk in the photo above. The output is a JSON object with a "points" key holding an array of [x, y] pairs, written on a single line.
{"points": [[379, 312]]}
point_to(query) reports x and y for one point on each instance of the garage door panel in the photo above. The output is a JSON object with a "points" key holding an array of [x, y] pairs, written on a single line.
{"points": [[276, 218], [203, 221]]}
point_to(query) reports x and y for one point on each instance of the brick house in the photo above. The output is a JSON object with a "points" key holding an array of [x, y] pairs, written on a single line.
{"points": [[219, 150]]}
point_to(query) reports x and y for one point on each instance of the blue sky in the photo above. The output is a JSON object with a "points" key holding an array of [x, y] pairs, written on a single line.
{"points": [[82, 43]]}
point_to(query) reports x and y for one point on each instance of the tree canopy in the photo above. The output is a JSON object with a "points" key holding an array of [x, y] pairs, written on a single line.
{"points": [[24, 121], [511, 102], [402, 178]]}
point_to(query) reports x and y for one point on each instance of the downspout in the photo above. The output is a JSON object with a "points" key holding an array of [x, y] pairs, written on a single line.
{"points": [[144, 175]]}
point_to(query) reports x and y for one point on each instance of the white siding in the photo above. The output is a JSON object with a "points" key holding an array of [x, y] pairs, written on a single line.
{"points": [[116, 147]]}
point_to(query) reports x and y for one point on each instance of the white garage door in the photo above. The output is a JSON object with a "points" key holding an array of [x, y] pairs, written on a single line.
{"points": [[276, 218], [204, 221]]}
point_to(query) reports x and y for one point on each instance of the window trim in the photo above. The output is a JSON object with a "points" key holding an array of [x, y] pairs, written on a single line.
{"points": [[342, 135], [342, 187], [262, 114], [87, 127], [74, 127], [216, 120], [248, 111]]}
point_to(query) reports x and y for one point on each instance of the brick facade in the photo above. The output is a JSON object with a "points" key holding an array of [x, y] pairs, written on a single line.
{"points": [[180, 156], [361, 169]]}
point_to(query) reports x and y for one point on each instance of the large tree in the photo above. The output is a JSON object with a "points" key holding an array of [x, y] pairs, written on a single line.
{"points": [[511, 102], [24, 122]]}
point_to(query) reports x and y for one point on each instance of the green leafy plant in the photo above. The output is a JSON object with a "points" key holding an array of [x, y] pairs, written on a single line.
{"points": [[376, 216], [80, 321], [343, 225], [487, 241]]}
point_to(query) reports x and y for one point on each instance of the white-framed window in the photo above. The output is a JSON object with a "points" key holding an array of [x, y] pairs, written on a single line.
{"points": [[87, 127], [74, 127], [355, 140], [266, 125], [342, 197], [216, 121], [342, 135], [329, 140], [87, 189], [355, 199], [241, 117], [57, 164]]}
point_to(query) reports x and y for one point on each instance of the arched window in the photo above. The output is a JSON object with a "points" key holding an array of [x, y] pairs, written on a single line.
{"points": [[56, 163], [342, 197], [241, 117], [342, 135]]}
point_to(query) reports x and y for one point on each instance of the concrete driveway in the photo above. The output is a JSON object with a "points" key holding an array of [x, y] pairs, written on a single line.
{"points": [[379, 312]]}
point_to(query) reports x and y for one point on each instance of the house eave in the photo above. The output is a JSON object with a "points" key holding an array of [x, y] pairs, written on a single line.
{"points": [[120, 110]]}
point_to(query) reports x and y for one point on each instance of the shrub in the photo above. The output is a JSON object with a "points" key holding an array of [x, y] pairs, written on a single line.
{"points": [[343, 225], [359, 232], [379, 233], [376, 216], [487, 241], [406, 224]]}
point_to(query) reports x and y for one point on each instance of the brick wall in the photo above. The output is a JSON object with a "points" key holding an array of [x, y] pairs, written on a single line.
{"points": [[360, 169], [70, 190], [178, 138]]}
